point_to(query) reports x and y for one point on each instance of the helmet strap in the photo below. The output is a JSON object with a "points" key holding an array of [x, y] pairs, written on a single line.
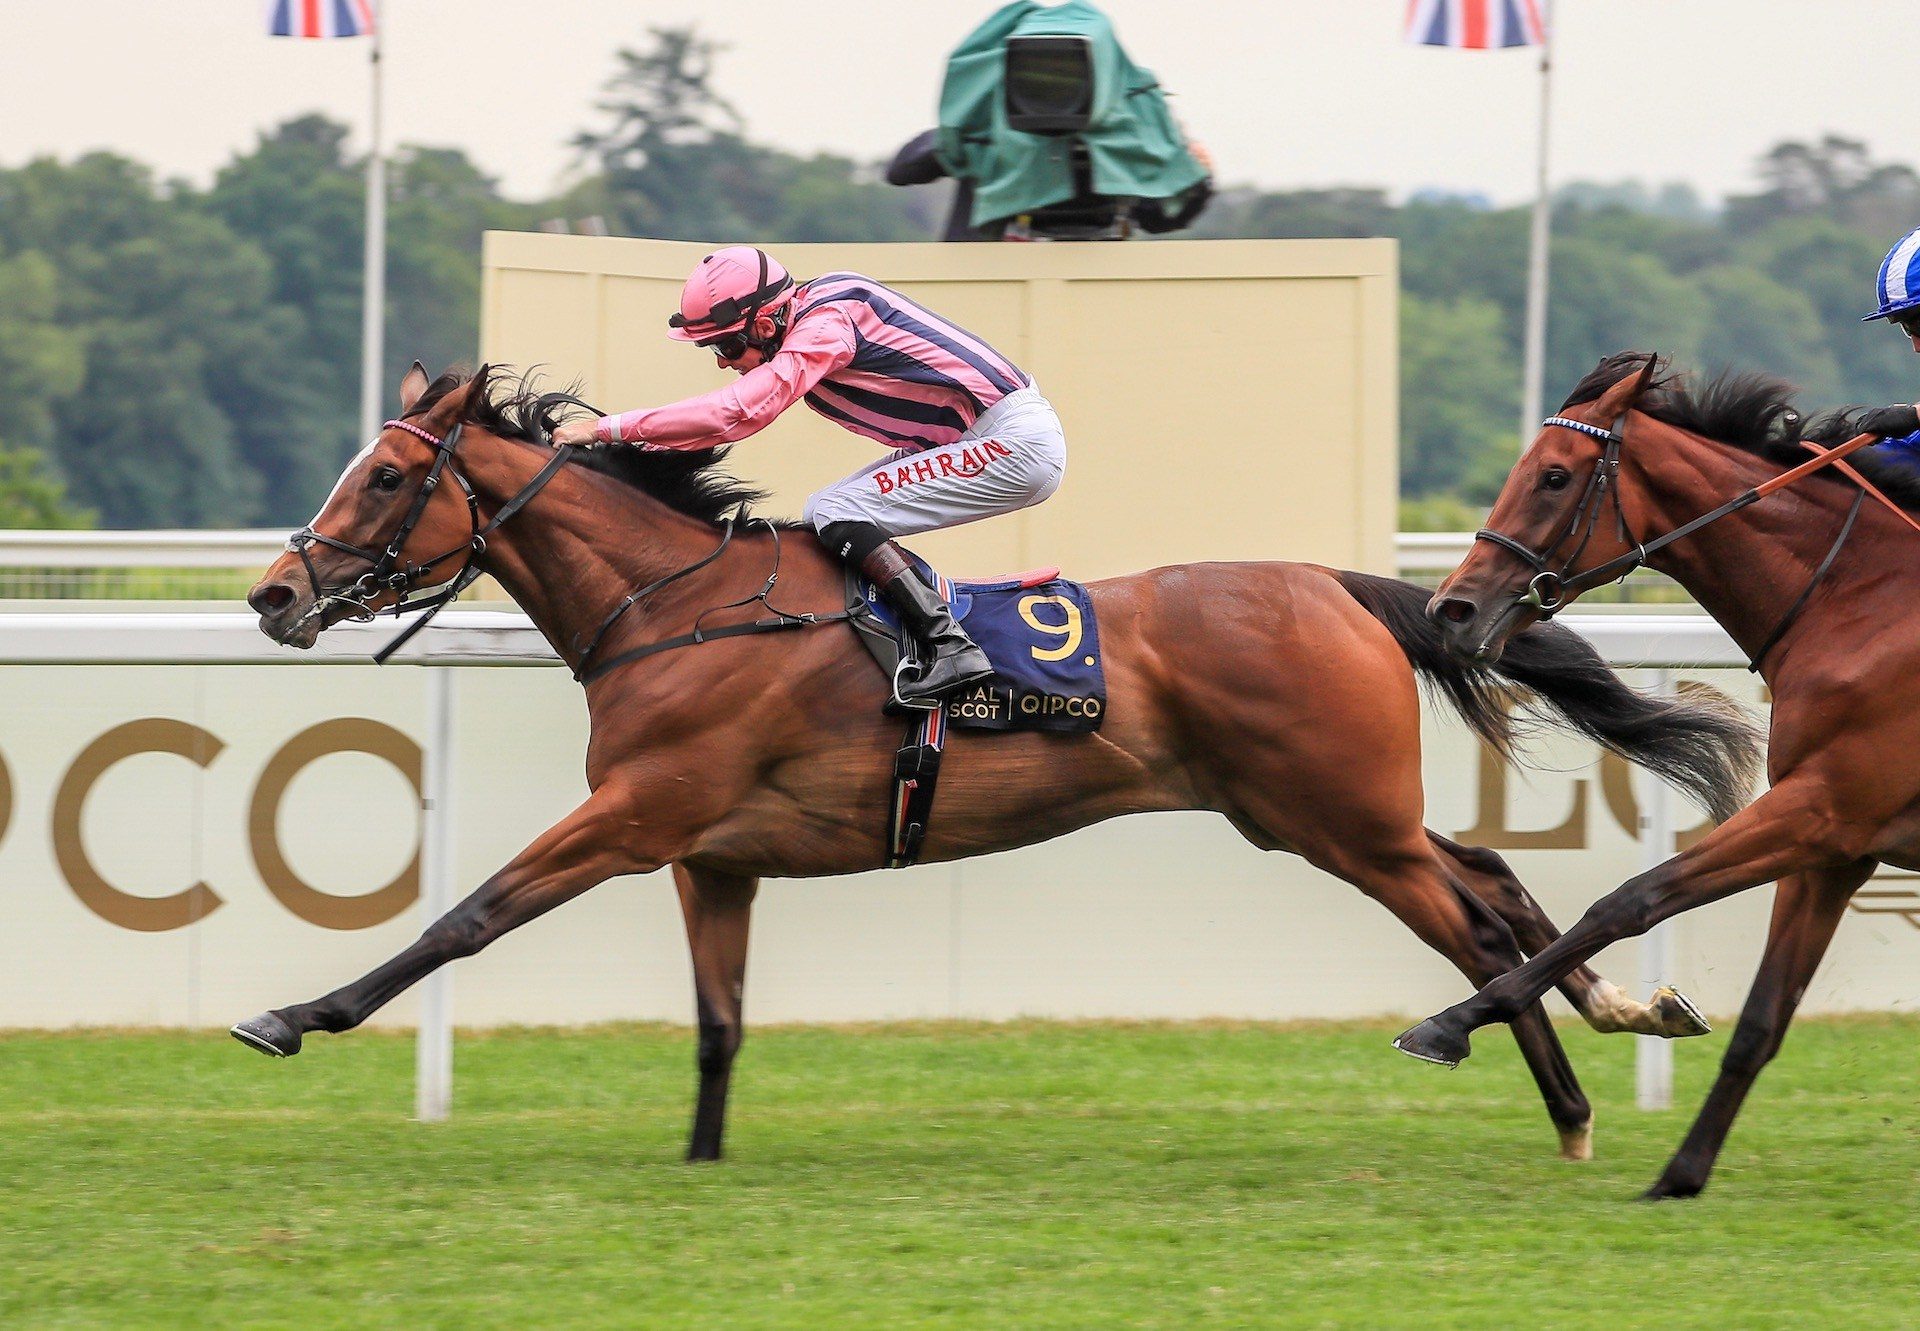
{"points": [[767, 346]]}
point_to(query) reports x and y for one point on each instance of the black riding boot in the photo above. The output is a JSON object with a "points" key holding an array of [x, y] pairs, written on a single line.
{"points": [[953, 660]]}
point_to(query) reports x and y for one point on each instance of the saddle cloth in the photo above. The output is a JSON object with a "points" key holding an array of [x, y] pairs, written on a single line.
{"points": [[1038, 629]]}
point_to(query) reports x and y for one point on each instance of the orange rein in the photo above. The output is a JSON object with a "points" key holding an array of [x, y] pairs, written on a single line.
{"points": [[1826, 457]]}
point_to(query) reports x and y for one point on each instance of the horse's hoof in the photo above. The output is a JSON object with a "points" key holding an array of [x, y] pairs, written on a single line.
{"points": [[1434, 1043], [270, 1033], [1577, 1143], [1678, 1018], [1669, 1189]]}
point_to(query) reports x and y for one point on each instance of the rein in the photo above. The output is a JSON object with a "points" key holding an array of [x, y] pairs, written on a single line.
{"points": [[780, 620], [388, 572], [1549, 590]]}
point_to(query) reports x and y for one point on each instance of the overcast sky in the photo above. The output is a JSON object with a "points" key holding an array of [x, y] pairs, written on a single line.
{"points": [[1286, 93]]}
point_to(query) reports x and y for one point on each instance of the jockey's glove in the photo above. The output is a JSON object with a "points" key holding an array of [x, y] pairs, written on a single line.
{"points": [[1891, 422]]}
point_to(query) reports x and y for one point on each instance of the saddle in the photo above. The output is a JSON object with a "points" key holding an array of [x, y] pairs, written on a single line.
{"points": [[1039, 631]]}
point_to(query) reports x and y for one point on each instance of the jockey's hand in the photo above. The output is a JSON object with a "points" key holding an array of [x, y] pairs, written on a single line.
{"points": [[1891, 422], [579, 433]]}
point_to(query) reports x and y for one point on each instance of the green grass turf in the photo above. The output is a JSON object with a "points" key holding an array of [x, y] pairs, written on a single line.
{"points": [[1032, 1175]]}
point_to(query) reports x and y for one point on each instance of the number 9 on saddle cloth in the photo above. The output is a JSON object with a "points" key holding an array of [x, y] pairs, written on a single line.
{"points": [[1037, 629]]}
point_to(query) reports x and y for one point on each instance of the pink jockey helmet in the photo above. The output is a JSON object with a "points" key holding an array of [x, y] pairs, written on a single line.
{"points": [[726, 290]]}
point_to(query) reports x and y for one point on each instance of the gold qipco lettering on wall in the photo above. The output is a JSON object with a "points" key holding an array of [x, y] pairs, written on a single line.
{"points": [[201, 747], [146, 914], [1490, 828], [345, 735]]}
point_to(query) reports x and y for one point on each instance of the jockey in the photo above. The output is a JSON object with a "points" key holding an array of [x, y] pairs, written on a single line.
{"points": [[967, 433], [1898, 291]]}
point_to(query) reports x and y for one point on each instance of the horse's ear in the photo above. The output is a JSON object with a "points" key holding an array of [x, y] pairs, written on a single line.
{"points": [[412, 385], [477, 386], [1619, 399]]}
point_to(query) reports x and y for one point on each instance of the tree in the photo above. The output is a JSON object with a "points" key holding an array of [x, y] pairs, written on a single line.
{"points": [[439, 205], [153, 297], [1837, 177], [32, 497], [1459, 392], [673, 163], [1605, 301], [1757, 322], [42, 361]]}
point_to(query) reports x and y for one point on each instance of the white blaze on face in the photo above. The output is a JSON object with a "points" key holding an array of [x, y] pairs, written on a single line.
{"points": [[347, 471]]}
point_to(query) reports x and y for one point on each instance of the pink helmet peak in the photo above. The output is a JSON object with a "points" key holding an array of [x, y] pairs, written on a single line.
{"points": [[726, 290]]}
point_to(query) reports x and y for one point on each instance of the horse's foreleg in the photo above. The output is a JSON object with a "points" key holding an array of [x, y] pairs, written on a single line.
{"points": [[1806, 911], [718, 907], [1604, 1005], [589, 846], [1785, 831]]}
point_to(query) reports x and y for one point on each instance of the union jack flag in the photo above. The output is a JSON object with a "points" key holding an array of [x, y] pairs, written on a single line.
{"points": [[319, 18], [1476, 25]]}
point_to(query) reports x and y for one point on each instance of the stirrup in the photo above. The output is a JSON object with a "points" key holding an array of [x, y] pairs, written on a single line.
{"points": [[910, 667]]}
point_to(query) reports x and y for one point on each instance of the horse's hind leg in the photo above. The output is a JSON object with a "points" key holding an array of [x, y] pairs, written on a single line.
{"points": [[1414, 883], [1604, 1005], [718, 907]]}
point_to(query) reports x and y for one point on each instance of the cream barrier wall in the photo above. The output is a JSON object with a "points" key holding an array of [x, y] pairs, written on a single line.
{"points": [[1222, 399], [1162, 916]]}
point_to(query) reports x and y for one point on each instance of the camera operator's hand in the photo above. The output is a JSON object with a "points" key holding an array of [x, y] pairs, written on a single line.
{"points": [[1891, 422]]}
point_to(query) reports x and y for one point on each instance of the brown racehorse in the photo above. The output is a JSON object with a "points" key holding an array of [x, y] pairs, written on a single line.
{"points": [[1279, 695], [1815, 587]]}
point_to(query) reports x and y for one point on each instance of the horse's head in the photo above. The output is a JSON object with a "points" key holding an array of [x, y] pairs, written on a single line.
{"points": [[1558, 517], [390, 527]]}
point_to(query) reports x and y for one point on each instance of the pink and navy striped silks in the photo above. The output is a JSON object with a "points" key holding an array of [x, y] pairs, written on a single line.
{"points": [[1475, 25], [860, 354], [916, 380], [319, 18]]}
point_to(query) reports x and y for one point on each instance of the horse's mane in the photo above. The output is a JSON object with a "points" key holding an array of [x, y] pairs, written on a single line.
{"points": [[1754, 413], [687, 480]]}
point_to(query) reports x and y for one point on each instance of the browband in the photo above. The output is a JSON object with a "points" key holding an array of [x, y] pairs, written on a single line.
{"points": [[1566, 423], [413, 429]]}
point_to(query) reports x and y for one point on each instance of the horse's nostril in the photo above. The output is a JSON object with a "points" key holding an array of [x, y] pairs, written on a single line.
{"points": [[1453, 610], [271, 598]]}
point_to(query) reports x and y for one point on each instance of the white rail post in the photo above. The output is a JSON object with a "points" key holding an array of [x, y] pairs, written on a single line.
{"points": [[433, 1081], [1653, 1056]]}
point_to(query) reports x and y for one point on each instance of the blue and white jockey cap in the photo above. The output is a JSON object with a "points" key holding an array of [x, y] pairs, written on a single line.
{"points": [[1899, 285]]}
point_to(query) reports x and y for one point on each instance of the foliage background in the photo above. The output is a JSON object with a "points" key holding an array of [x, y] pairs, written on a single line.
{"points": [[180, 356]]}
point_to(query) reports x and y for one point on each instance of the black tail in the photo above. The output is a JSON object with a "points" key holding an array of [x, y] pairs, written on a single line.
{"points": [[1705, 743]]}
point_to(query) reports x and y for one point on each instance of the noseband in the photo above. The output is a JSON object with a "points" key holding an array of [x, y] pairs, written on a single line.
{"points": [[1549, 589], [389, 571]]}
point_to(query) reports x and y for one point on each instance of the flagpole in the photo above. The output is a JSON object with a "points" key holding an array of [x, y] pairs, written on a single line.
{"points": [[1536, 331], [373, 293]]}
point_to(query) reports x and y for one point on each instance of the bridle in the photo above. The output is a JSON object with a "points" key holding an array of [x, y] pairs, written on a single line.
{"points": [[389, 571], [1550, 589]]}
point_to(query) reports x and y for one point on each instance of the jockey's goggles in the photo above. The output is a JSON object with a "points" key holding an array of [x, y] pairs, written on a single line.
{"points": [[728, 346], [1907, 322]]}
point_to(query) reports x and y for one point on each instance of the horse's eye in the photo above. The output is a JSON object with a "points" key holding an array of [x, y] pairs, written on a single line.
{"points": [[1556, 478], [386, 479]]}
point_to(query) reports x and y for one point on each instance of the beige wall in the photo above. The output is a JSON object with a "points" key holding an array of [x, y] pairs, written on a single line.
{"points": [[1222, 399], [106, 817]]}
